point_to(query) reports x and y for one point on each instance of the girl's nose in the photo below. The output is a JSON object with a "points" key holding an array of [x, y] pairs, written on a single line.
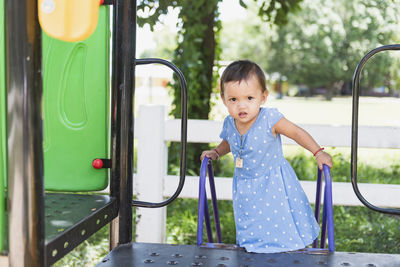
{"points": [[242, 103]]}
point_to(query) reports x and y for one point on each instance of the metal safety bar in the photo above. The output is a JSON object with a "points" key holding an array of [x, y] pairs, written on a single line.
{"points": [[25, 134], [122, 93], [203, 205], [354, 131], [327, 212], [183, 85], [203, 214]]}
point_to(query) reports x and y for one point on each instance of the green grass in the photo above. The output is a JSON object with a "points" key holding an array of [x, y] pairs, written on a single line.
{"points": [[92, 250], [89, 253], [357, 229]]}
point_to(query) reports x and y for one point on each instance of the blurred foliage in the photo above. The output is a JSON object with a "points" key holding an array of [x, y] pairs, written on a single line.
{"points": [[357, 229], [321, 44], [360, 229], [333, 38], [182, 222], [89, 252], [165, 39], [253, 42], [274, 11], [277, 11], [305, 168], [92, 250], [195, 55], [197, 52]]}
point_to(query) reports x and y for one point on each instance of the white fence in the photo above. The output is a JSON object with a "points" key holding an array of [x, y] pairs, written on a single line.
{"points": [[153, 184]]}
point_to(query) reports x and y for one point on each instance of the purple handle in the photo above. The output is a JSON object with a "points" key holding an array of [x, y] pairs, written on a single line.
{"points": [[214, 201], [329, 208], [327, 215], [318, 202], [207, 219], [202, 199], [324, 222], [203, 206]]}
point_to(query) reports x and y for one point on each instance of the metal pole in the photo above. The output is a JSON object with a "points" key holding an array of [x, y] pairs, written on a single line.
{"points": [[354, 128], [123, 73], [24, 131]]}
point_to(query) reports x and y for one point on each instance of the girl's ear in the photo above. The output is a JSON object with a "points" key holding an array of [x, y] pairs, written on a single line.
{"points": [[264, 96], [223, 100]]}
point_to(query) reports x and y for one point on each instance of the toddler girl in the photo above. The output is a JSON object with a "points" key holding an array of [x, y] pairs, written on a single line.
{"points": [[272, 212]]}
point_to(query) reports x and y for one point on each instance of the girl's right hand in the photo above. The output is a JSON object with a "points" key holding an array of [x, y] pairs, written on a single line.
{"points": [[209, 154], [323, 158]]}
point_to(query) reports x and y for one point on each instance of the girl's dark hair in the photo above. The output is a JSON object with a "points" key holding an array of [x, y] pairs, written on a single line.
{"points": [[241, 70]]}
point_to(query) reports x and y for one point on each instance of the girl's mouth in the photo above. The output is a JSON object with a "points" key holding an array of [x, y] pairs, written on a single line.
{"points": [[242, 114]]}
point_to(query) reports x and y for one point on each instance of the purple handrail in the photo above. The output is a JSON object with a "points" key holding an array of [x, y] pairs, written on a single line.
{"points": [[202, 197], [203, 206], [318, 202], [327, 213], [214, 202], [329, 208], [207, 219]]}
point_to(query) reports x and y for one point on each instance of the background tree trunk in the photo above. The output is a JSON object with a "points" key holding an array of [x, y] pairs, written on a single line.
{"points": [[195, 55]]}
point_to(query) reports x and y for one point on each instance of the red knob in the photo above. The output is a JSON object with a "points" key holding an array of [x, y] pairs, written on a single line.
{"points": [[97, 164]]}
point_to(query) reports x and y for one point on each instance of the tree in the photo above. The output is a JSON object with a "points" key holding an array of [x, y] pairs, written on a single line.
{"points": [[164, 38], [247, 37], [198, 50], [321, 45]]}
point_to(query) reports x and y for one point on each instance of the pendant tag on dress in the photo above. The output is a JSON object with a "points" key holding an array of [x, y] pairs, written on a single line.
{"points": [[239, 163]]}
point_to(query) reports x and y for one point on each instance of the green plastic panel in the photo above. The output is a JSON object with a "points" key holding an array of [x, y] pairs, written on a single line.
{"points": [[75, 105], [3, 130]]}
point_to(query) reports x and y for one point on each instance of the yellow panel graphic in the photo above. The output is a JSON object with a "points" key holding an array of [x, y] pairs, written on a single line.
{"points": [[69, 20]]}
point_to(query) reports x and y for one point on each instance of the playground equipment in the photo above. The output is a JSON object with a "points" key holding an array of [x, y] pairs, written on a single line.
{"points": [[354, 136], [44, 226], [203, 213], [69, 20]]}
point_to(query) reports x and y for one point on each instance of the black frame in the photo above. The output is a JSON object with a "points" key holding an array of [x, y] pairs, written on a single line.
{"points": [[354, 129], [122, 91], [24, 123], [182, 171], [30, 244]]}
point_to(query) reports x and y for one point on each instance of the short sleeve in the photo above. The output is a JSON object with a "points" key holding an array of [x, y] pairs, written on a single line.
{"points": [[224, 133], [273, 116]]}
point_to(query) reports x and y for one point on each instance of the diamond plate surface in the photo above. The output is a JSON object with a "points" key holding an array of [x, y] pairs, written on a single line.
{"points": [[142, 254]]}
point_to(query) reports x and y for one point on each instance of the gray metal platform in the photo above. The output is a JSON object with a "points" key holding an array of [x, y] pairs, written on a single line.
{"points": [[142, 254], [71, 218]]}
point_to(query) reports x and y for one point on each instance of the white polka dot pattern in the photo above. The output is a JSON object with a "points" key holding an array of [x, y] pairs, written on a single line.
{"points": [[272, 212]]}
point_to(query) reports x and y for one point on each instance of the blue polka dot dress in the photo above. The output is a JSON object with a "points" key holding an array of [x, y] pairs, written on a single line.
{"points": [[272, 212]]}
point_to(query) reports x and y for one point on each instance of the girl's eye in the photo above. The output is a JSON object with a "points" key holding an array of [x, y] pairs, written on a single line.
{"points": [[232, 99], [250, 97]]}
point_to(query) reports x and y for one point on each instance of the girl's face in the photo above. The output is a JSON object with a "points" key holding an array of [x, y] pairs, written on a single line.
{"points": [[243, 101]]}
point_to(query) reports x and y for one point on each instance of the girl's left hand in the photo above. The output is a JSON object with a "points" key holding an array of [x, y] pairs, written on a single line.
{"points": [[323, 158]]}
